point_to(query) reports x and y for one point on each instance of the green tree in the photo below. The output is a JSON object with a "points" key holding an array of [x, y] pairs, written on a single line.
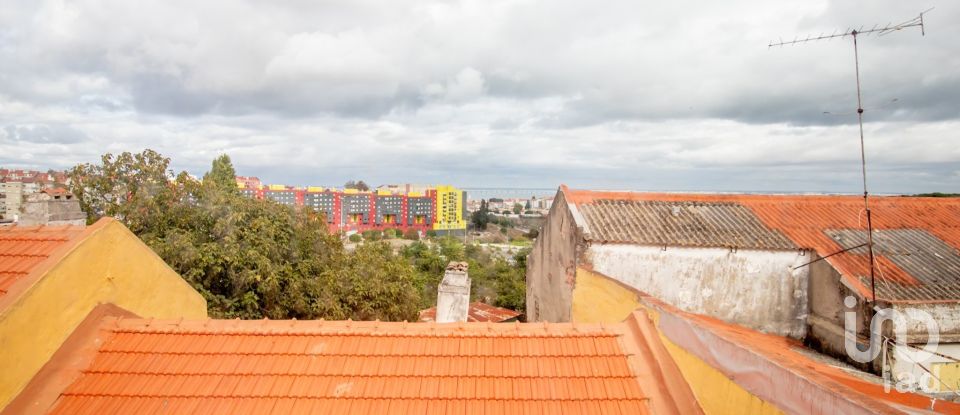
{"points": [[249, 258], [517, 208], [128, 187], [358, 185], [222, 175], [481, 217]]}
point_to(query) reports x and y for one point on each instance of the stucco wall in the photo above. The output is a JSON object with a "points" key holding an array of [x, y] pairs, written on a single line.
{"points": [[551, 266], [598, 299], [756, 289], [110, 266]]}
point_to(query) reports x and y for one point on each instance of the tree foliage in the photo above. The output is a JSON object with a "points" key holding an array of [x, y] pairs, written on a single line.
{"points": [[494, 278], [249, 258], [481, 217], [358, 185]]}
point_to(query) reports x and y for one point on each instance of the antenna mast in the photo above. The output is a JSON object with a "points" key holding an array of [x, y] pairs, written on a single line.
{"points": [[854, 33]]}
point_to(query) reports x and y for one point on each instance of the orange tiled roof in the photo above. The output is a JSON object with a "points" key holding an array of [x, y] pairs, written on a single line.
{"points": [[233, 366], [478, 312], [812, 222], [24, 249]]}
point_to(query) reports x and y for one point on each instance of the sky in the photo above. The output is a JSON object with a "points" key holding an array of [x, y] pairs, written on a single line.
{"points": [[678, 95]]}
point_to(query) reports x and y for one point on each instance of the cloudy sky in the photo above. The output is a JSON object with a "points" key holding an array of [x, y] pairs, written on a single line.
{"points": [[678, 95]]}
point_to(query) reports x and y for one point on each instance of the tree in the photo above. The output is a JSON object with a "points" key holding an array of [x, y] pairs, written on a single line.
{"points": [[124, 187], [249, 258], [222, 175], [517, 208], [411, 234], [481, 217], [527, 206], [358, 185]]}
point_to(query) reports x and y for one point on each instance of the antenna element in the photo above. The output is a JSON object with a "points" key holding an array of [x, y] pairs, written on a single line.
{"points": [[889, 28]]}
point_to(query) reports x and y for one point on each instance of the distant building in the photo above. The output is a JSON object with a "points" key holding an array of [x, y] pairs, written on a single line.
{"points": [[11, 197], [440, 208], [775, 263], [17, 184]]}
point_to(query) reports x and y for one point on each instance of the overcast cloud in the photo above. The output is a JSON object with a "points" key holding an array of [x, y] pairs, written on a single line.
{"points": [[681, 95]]}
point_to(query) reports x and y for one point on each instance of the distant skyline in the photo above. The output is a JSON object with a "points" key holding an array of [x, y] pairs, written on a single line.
{"points": [[678, 96]]}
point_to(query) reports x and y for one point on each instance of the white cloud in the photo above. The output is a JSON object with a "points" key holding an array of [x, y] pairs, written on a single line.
{"points": [[505, 92]]}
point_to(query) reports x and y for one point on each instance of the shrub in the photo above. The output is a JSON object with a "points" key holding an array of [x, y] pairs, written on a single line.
{"points": [[355, 238], [411, 234], [372, 235]]}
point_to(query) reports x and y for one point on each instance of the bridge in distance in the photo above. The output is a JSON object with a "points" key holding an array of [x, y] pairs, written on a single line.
{"points": [[476, 193]]}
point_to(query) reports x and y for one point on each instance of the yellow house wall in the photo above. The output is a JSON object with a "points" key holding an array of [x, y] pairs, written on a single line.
{"points": [[598, 299], [715, 392], [110, 266]]}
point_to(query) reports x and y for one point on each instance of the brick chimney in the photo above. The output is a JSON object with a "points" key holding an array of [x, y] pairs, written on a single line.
{"points": [[453, 294]]}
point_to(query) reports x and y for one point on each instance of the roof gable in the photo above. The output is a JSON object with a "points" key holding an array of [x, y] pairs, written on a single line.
{"points": [[24, 249]]}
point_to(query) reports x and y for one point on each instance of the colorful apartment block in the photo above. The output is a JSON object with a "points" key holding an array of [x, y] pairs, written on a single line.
{"points": [[440, 208]]}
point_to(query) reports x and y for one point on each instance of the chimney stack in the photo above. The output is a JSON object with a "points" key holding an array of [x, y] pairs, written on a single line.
{"points": [[51, 207], [453, 294]]}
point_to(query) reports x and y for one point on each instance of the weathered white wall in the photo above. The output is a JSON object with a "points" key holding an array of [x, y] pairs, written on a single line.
{"points": [[453, 297], [946, 315], [756, 289]]}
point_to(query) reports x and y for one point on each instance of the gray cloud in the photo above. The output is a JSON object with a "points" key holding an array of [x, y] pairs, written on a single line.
{"points": [[682, 95], [44, 134]]}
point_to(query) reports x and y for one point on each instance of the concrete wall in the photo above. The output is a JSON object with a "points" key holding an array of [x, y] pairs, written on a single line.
{"points": [[551, 266], [756, 289], [110, 265], [40, 209], [826, 327], [453, 297]]}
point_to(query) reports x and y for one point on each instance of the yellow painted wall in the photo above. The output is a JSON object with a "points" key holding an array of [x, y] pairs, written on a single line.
{"points": [[598, 299], [715, 392], [449, 209], [110, 266]]}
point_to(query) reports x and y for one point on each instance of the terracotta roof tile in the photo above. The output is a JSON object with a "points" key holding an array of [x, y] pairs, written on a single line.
{"points": [[349, 367], [24, 248], [478, 312], [917, 239]]}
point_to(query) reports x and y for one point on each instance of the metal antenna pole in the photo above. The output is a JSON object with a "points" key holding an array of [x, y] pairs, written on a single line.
{"points": [[863, 169], [915, 22]]}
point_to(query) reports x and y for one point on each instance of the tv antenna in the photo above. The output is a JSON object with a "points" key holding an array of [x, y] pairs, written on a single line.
{"points": [[854, 33]]}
